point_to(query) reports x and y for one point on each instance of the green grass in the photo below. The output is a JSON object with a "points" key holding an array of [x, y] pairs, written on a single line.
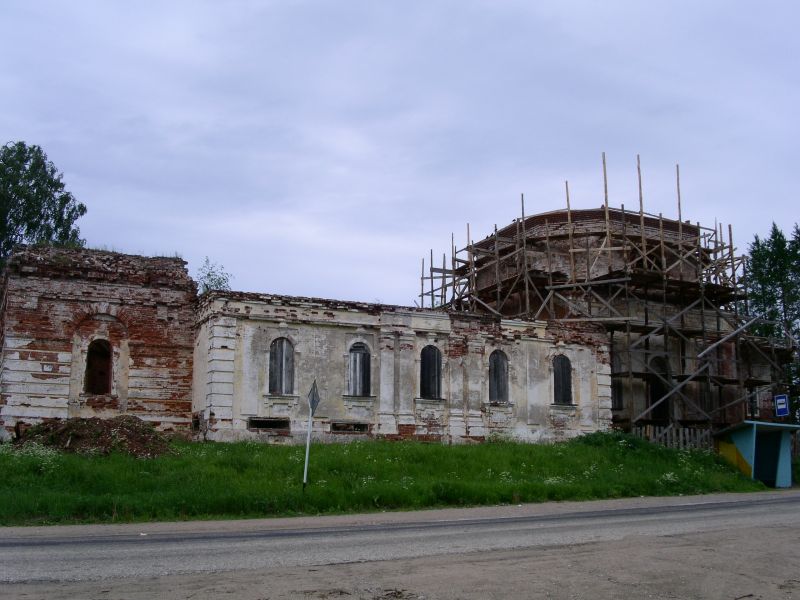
{"points": [[203, 481]]}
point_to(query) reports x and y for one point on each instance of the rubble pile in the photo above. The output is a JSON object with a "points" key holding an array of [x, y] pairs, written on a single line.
{"points": [[125, 434]]}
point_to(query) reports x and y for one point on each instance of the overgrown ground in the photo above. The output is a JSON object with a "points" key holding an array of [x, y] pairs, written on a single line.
{"points": [[206, 480]]}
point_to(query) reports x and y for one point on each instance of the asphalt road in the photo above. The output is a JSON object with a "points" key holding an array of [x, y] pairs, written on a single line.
{"points": [[92, 553]]}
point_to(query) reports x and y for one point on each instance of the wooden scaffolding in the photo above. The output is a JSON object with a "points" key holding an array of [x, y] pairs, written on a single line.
{"points": [[671, 294]]}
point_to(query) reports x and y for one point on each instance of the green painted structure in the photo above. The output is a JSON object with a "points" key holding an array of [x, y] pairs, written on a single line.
{"points": [[761, 450]]}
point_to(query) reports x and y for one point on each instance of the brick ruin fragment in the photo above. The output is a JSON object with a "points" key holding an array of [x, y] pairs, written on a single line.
{"points": [[558, 324], [57, 302], [184, 362]]}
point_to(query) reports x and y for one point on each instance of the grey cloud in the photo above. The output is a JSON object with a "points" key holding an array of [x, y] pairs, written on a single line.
{"points": [[322, 148]]}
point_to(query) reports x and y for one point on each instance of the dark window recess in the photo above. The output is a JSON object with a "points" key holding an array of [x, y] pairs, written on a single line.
{"points": [[562, 380], [268, 424], [98, 368], [430, 377], [659, 385], [498, 377], [617, 402], [359, 370], [706, 397], [349, 427], [281, 367]]}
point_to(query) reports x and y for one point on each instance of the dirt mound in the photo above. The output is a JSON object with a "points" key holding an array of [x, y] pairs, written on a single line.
{"points": [[126, 434]]}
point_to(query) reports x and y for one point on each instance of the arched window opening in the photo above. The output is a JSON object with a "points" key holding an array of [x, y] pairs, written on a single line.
{"points": [[98, 368], [659, 386], [281, 367], [359, 370], [430, 377], [562, 380], [498, 377]]}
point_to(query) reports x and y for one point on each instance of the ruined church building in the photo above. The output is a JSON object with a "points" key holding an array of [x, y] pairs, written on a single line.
{"points": [[559, 324]]}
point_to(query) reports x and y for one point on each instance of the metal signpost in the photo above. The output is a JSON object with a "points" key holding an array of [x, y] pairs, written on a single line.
{"points": [[313, 401], [781, 405]]}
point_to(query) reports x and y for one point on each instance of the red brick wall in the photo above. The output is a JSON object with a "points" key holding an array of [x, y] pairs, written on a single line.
{"points": [[58, 300]]}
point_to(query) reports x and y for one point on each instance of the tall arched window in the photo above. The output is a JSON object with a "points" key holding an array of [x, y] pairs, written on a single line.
{"points": [[359, 370], [98, 368], [562, 380], [281, 367], [498, 377], [430, 376]]}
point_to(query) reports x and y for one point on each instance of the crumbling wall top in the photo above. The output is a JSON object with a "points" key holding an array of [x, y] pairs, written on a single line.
{"points": [[100, 265], [208, 300], [307, 302]]}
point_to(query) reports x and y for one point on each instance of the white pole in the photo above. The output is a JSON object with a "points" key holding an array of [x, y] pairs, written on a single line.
{"points": [[308, 447], [313, 400]]}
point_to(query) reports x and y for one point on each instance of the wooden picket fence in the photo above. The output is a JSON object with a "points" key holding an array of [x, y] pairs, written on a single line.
{"points": [[682, 438]]}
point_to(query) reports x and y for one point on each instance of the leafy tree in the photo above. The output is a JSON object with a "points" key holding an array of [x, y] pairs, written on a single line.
{"points": [[34, 206], [774, 280], [773, 290], [212, 276]]}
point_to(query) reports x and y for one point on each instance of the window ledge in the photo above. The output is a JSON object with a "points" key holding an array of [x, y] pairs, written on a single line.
{"points": [[564, 407], [497, 403], [280, 400], [358, 400], [430, 400], [84, 395]]}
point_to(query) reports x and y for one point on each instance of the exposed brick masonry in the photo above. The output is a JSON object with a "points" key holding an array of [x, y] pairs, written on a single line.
{"points": [[56, 301]]}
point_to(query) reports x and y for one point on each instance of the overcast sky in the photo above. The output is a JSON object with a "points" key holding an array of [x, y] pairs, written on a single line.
{"points": [[322, 148]]}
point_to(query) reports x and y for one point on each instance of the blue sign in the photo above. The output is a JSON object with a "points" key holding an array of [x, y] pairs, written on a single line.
{"points": [[782, 405]]}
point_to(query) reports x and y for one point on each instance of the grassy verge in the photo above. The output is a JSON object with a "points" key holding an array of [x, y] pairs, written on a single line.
{"points": [[200, 481]]}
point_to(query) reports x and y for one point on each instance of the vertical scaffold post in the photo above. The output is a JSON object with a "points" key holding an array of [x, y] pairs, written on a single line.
{"points": [[497, 268], [525, 257], [641, 213], [570, 234], [422, 285], [605, 211], [433, 298]]}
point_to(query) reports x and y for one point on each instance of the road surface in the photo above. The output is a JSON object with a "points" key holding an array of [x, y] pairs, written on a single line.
{"points": [[727, 546]]}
